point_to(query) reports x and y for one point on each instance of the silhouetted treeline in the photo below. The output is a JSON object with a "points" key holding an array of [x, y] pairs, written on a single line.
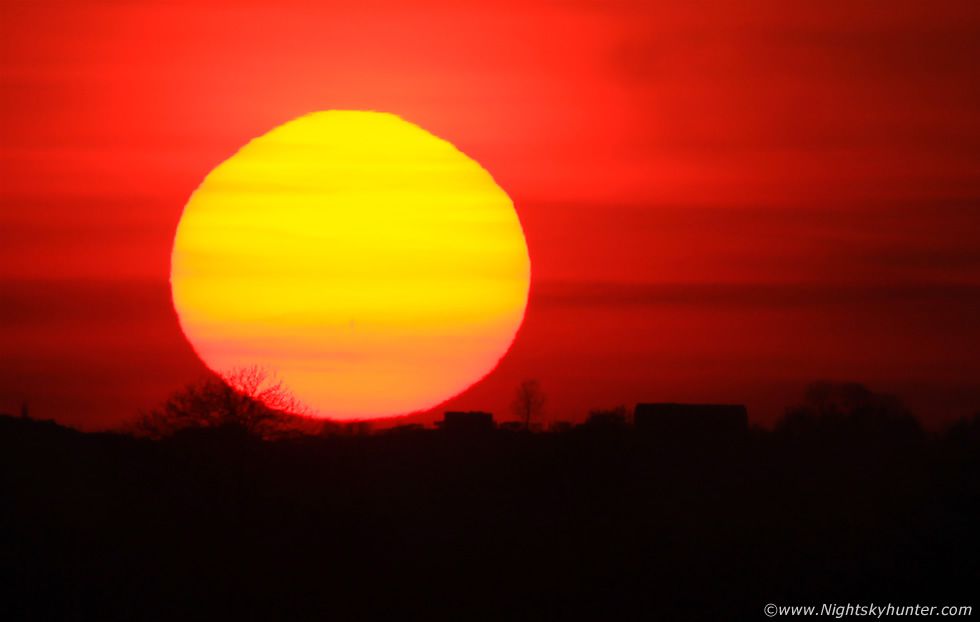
{"points": [[846, 500]]}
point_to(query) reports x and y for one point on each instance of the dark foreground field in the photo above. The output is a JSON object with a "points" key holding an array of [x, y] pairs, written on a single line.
{"points": [[590, 523]]}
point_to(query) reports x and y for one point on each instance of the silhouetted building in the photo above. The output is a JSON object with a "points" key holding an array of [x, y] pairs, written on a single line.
{"points": [[345, 428], [607, 419], [406, 428], [467, 422], [692, 421]]}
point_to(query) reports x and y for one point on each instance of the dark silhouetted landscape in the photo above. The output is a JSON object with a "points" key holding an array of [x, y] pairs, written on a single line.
{"points": [[685, 513]]}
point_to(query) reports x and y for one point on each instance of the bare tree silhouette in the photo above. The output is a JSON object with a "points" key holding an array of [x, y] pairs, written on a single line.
{"points": [[247, 400], [528, 402]]}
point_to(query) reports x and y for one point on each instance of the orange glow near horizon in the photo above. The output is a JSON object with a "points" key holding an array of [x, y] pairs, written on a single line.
{"points": [[375, 268]]}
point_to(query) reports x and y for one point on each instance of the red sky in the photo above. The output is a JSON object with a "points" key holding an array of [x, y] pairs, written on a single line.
{"points": [[722, 201]]}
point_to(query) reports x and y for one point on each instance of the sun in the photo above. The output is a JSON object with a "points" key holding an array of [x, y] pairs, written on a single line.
{"points": [[374, 267]]}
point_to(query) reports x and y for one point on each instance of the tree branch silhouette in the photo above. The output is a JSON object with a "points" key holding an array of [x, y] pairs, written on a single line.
{"points": [[246, 400], [528, 402]]}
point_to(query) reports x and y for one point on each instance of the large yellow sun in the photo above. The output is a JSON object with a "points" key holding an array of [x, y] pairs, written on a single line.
{"points": [[375, 268]]}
